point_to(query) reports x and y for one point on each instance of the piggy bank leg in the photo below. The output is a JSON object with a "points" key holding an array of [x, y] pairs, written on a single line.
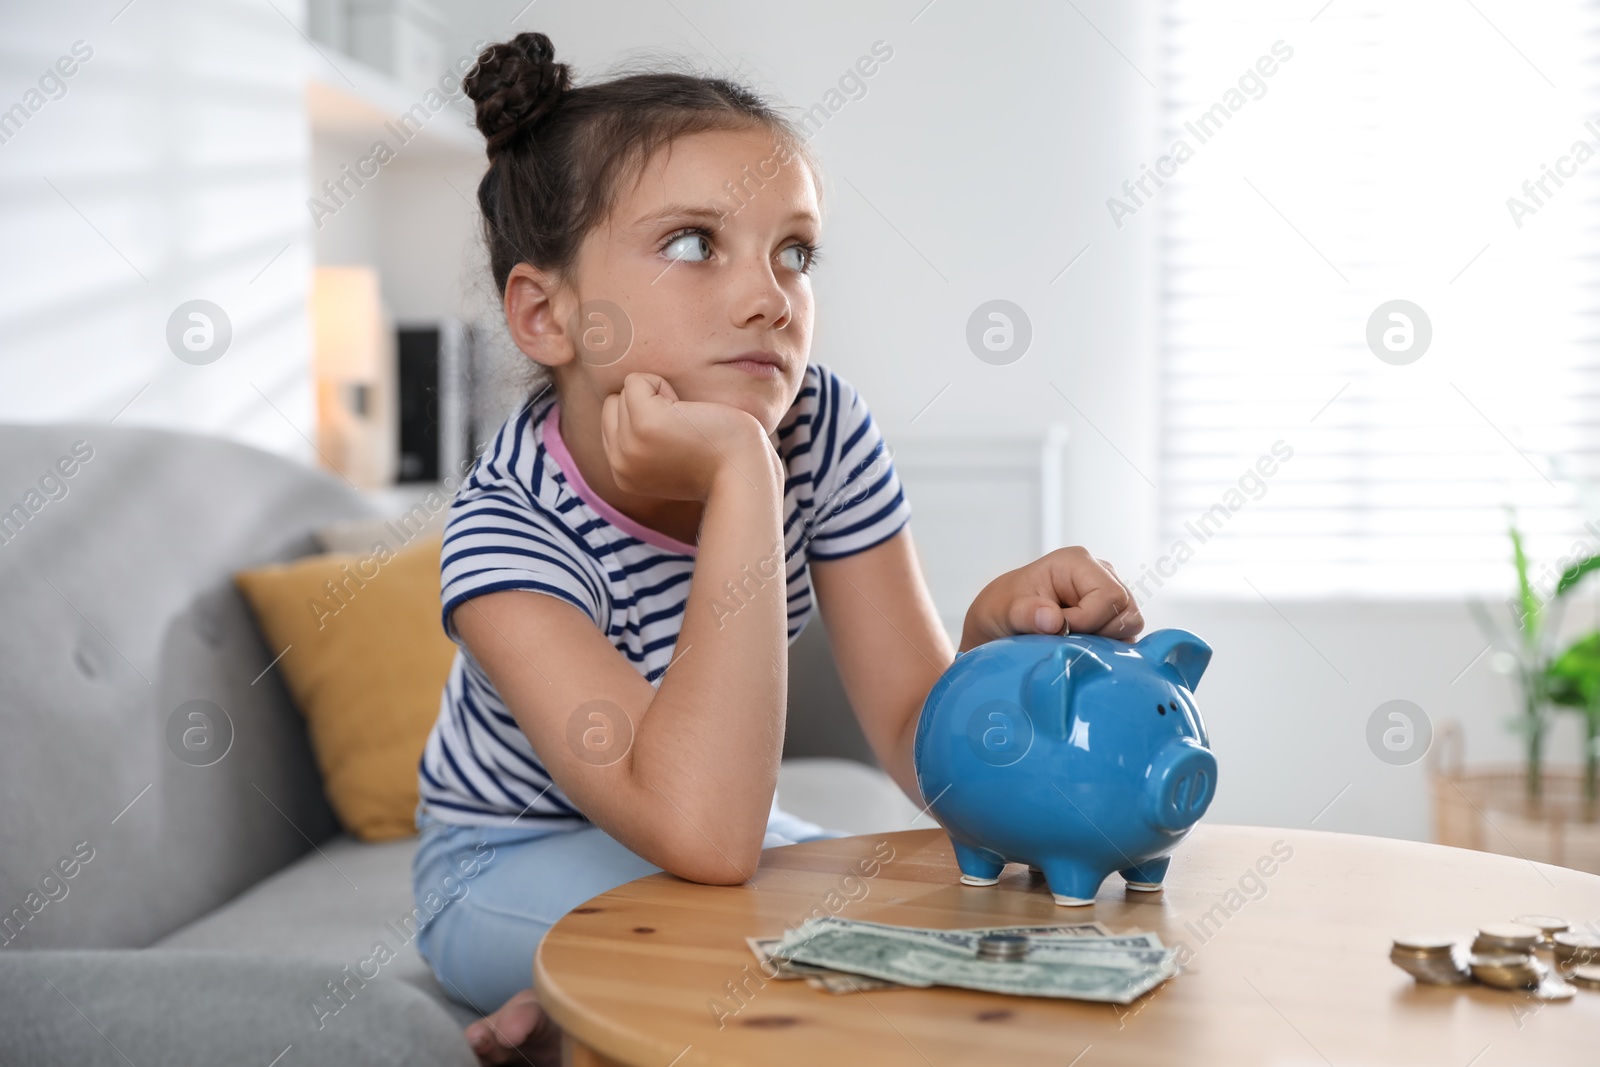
{"points": [[1072, 883], [1147, 877], [978, 866]]}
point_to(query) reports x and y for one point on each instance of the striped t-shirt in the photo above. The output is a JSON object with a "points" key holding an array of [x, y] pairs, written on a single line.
{"points": [[524, 519]]}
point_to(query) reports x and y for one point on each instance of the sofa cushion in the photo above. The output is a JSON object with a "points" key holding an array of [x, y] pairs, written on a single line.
{"points": [[366, 661], [179, 1008], [334, 906]]}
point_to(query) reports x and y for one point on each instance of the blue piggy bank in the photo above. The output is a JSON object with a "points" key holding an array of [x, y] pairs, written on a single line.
{"points": [[1078, 755]]}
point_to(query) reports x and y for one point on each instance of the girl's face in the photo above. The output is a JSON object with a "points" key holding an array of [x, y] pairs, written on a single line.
{"points": [[707, 257]]}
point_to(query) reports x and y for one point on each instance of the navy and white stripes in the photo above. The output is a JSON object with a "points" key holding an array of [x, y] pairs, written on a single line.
{"points": [[524, 519]]}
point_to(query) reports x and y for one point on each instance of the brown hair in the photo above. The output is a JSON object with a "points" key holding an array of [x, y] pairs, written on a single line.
{"points": [[558, 154]]}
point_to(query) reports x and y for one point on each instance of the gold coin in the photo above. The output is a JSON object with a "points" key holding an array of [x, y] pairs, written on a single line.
{"points": [[1547, 924], [1586, 975]]}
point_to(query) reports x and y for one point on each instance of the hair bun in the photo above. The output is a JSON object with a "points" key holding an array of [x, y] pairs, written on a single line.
{"points": [[514, 85]]}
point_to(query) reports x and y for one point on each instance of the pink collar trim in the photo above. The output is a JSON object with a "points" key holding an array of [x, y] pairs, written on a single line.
{"points": [[557, 448]]}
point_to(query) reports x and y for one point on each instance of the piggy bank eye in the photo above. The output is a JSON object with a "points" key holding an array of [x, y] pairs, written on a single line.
{"points": [[1161, 709]]}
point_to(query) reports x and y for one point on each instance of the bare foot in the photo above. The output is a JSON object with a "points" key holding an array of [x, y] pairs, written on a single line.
{"points": [[519, 1032]]}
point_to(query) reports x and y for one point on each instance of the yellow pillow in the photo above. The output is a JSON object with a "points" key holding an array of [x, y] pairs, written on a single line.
{"points": [[366, 664]]}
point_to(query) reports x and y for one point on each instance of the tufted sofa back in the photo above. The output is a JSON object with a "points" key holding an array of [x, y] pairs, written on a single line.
{"points": [[117, 614]]}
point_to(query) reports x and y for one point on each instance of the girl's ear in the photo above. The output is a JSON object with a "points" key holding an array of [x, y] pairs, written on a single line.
{"points": [[536, 316]]}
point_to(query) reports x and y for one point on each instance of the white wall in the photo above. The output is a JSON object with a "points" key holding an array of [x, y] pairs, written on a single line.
{"points": [[1287, 699], [173, 168]]}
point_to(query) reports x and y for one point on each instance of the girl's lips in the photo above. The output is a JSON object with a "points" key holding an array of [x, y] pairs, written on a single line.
{"points": [[755, 367]]}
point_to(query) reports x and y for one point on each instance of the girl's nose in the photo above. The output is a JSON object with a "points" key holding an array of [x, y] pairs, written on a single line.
{"points": [[759, 297]]}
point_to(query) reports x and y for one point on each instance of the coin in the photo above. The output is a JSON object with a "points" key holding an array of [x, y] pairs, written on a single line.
{"points": [[1505, 937], [1427, 944], [1002, 947], [1506, 970], [1586, 975], [1547, 924], [1575, 946], [1430, 959]]}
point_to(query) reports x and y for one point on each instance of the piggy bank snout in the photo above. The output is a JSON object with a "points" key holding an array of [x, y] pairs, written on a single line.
{"points": [[1182, 781]]}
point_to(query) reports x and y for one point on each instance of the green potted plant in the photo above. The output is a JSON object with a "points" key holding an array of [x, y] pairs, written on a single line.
{"points": [[1573, 682], [1531, 658], [1532, 811]]}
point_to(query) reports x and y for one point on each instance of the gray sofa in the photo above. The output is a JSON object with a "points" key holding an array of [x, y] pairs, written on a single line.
{"points": [[155, 911]]}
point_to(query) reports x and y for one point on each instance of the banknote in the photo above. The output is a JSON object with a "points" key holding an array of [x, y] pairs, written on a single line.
{"points": [[1133, 947], [1054, 968], [850, 983], [841, 982], [781, 968], [760, 946], [1062, 930], [967, 938]]}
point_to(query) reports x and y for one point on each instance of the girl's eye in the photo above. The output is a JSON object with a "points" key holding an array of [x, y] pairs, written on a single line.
{"points": [[690, 247], [801, 257]]}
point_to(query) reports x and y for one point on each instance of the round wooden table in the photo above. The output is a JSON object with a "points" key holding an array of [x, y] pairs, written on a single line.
{"points": [[1288, 933]]}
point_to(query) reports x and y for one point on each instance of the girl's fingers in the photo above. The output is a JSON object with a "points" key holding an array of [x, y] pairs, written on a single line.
{"points": [[624, 419], [648, 398], [610, 427], [1035, 615], [1111, 570], [647, 388], [1091, 594], [1126, 625], [1096, 610]]}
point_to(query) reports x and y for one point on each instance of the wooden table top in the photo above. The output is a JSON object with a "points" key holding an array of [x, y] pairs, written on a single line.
{"points": [[1286, 968]]}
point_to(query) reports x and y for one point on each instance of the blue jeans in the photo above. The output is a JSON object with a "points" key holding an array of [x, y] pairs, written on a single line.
{"points": [[493, 891]]}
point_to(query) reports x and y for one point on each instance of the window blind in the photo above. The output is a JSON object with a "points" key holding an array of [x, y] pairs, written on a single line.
{"points": [[1314, 167]]}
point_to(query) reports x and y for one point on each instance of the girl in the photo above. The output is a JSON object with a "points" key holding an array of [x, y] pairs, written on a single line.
{"points": [[611, 566]]}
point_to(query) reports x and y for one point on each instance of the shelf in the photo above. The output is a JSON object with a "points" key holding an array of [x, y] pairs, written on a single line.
{"points": [[365, 107]]}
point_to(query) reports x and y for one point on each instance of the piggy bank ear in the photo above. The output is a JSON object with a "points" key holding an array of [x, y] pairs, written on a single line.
{"points": [[1050, 686], [1180, 649]]}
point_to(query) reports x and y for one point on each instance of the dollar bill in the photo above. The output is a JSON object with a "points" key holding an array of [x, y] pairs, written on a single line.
{"points": [[780, 968], [1062, 930], [915, 959], [1134, 949], [837, 983], [833, 981]]}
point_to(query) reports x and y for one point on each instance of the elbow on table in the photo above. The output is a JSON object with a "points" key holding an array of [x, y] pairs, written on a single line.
{"points": [[715, 864]]}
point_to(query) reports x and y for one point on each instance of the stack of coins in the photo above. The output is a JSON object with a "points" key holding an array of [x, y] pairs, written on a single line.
{"points": [[1430, 959], [1499, 939], [1547, 925], [1506, 970], [1002, 948], [1573, 948], [1503, 956]]}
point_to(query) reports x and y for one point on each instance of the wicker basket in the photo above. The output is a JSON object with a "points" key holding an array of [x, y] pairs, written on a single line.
{"points": [[1489, 810]]}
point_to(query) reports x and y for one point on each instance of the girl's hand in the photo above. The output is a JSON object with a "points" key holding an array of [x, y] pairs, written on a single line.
{"points": [[661, 446], [1067, 591]]}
